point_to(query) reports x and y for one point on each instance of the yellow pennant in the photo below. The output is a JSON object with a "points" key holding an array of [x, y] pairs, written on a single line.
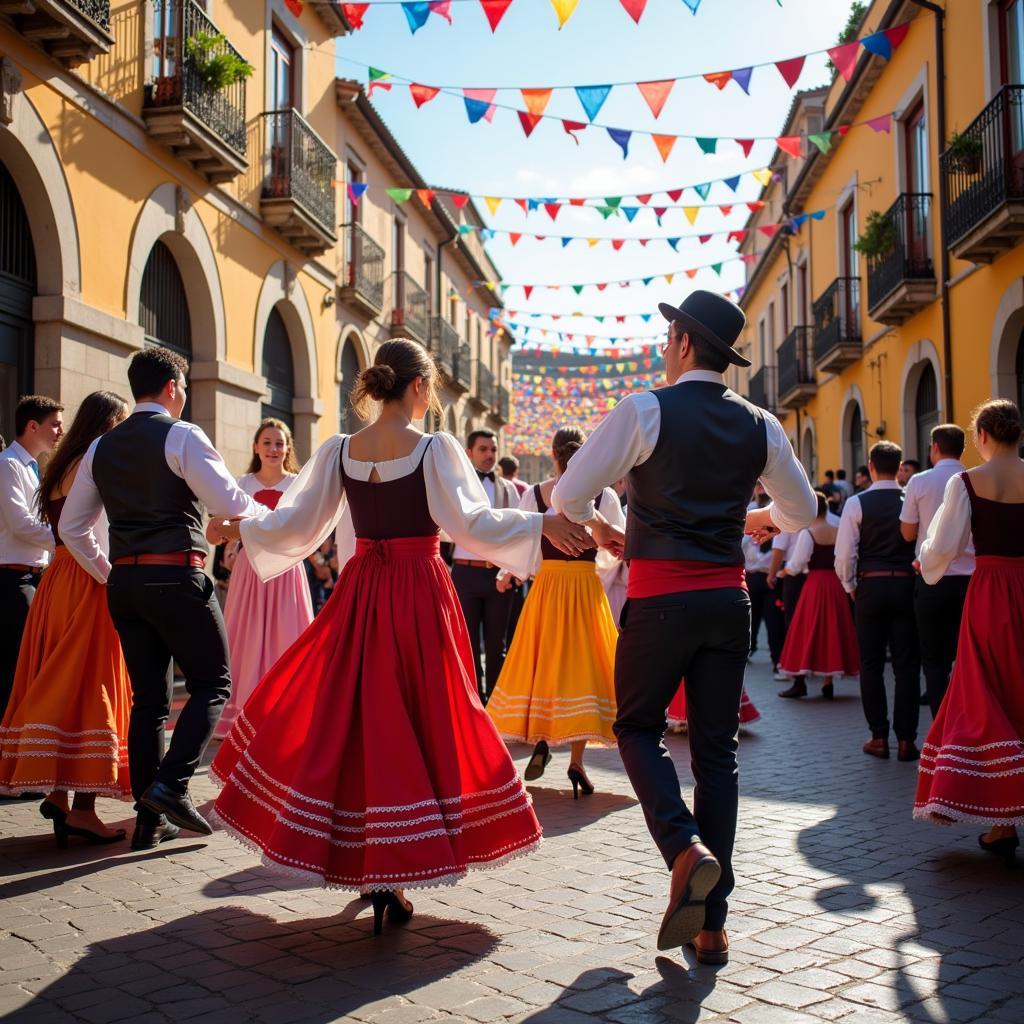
{"points": [[564, 9], [492, 204], [764, 175], [592, 242], [691, 213]]}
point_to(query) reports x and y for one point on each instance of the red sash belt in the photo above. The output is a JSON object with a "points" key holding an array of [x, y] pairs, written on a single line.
{"points": [[652, 577], [399, 547]]}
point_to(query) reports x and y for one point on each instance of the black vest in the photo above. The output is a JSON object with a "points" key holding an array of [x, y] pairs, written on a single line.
{"points": [[881, 545], [689, 500], [151, 511]]}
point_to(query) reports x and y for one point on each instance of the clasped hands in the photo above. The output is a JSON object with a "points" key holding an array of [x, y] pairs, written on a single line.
{"points": [[759, 526], [575, 538]]}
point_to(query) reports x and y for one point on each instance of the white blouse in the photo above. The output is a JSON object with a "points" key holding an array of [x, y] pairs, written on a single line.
{"points": [[314, 504], [949, 534], [250, 483]]}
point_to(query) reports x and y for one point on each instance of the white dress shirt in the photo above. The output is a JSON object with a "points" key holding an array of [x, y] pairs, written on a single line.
{"points": [[801, 547], [189, 454], [924, 495], [501, 493], [627, 437], [848, 538], [24, 538], [949, 533], [754, 559]]}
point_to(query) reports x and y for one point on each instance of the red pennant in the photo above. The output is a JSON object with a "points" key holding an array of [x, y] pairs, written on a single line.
{"points": [[426, 196], [725, 210], [737, 236], [514, 236], [643, 242], [521, 203], [791, 69], [897, 34], [750, 257], [644, 200], [691, 274], [660, 211], [540, 238], [553, 209], [845, 58], [754, 205], [769, 229], [495, 11], [527, 290], [704, 239], [601, 287], [655, 93], [842, 130], [719, 79], [634, 8], [746, 145], [576, 202], [617, 243], [675, 195], [791, 144], [354, 14], [295, 6], [458, 200], [443, 8], [573, 126], [422, 93], [528, 121]]}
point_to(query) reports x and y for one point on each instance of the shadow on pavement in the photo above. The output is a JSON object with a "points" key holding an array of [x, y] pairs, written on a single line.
{"points": [[560, 815]]}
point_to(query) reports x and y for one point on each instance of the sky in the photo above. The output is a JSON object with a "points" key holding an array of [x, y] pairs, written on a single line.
{"points": [[599, 44]]}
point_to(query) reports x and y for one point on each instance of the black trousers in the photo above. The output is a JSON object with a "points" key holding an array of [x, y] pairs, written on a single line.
{"points": [[165, 614], [16, 592], [938, 610], [486, 611], [764, 608], [884, 613], [515, 609], [791, 587], [703, 636]]}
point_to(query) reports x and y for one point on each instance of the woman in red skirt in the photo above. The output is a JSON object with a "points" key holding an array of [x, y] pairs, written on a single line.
{"points": [[821, 639], [364, 759], [676, 713], [972, 764]]}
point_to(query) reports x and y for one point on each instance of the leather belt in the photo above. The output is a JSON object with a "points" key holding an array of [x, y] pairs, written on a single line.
{"points": [[17, 567], [887, 573], [476, 563], [192, 559]]}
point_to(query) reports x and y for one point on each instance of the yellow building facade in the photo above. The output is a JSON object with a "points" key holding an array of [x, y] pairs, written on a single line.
{"points": [[173, 172], [892, 299]]}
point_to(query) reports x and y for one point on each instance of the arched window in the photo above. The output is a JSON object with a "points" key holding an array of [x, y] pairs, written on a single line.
{"points": [[855, 440], [163, 306], [278, 369], [17, 288], [926, 411], [348, 421], [807, 455]]}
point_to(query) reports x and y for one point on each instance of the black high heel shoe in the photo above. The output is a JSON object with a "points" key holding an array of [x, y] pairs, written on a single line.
{"points": [[827, 691], [579, 780], [539, 760], [49, 810], [1005, 848], [398, 912]]}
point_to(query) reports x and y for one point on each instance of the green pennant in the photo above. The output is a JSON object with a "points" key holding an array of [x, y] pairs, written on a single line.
{"points": [[613, 201], [707, 146], [823, 140], [466, 229], [606, 211], [577, 288], [400, 195], [376, 74], [703, 190], [599, 319], [717, 268]]}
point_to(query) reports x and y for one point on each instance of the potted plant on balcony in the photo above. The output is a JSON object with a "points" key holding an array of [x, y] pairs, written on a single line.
{"points": [[879, 237], [965, 152], [216, 64]]}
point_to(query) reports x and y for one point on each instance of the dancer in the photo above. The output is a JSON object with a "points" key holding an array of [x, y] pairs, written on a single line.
{"points": [[691, 452], [153, 473], [66, 726], [25, 542], [262, 619], [364, 760], [764, 600], [557, 686], [821, 640], [972, 764], [676, 713], [876, 567]]}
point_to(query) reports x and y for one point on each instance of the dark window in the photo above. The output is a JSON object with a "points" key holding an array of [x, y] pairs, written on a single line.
{"points": [[163, 307], [278, 369], [282, 71], [1020, 381], [348, 421], [856, 442], [926, 411]]}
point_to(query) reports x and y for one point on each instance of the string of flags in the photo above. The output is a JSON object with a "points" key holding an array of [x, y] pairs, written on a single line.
{"points": [[535, 372]]}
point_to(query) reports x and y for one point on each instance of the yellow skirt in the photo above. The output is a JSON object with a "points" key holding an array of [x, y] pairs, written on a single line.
{"points": [[558, 682]]}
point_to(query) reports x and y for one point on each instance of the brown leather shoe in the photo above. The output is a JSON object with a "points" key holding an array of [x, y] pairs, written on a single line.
{"points": [[907, 751], [695, 873], [877, 748], [711, 948]]}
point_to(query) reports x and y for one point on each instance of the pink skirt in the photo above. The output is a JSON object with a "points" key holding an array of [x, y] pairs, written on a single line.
{"points": [[263, 620]]}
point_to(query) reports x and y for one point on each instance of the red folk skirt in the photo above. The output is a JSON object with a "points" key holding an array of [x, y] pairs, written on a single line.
{"points": [[821, 639], [364, 759], [972, 764], [677, 709]]}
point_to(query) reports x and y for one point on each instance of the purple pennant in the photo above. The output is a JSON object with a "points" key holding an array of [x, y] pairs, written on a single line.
{"points": [[741, 76], [592, 98], [732, 183], [621, 138], [416, 14], [356, 190]]}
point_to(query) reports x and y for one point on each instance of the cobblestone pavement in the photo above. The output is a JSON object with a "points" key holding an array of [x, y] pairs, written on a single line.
{"points": [[846, 910]]}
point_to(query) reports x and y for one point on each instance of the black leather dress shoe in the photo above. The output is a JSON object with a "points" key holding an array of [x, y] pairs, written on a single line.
{"points": [[178, 807], [150, 832]]}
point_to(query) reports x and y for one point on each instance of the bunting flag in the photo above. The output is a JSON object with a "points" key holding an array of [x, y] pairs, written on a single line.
{"points": [[295, 6], [495, 11], [416, 14], [356, 190], [656, 93], [634, 8], [791, 69], [443, 8], [564, 9], [621, 138], [592, 98], [536, 100], [845, 58], [354, 14], [422, 93], [377, 80], [479, 104], [529, 122], [399, 195]]}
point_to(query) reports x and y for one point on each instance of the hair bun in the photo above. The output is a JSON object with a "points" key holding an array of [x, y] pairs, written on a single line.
{"points": [[379, 381]]}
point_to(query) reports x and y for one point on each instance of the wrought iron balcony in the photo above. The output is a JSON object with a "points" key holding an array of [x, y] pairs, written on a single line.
{"points": [[483, 395], [837, 338], [761, 388], [70, 31], [363, 284], [444, 345], [410, 308], [298, 186], [985, 181], [504, 404], [203, 123], [796, 368], [901, 280], [464, 368]]}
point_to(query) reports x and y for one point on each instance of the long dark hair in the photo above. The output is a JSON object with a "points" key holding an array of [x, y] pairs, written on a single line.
{"points": [[290, 464], [98, 412]]}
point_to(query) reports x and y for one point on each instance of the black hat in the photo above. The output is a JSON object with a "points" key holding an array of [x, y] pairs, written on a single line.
{"points": [[714, 318]]}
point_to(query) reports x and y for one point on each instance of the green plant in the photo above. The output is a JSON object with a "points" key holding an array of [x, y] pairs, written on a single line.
{"points": [[965, 151], [879, 237], [215, 62]]}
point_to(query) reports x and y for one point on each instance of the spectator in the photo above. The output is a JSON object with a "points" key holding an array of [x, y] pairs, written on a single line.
{"points": [[843, 486], [861, 479], [908, 467], [509, 466], [833, 494]]}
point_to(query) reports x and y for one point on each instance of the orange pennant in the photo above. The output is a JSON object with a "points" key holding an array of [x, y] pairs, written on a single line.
{"points": [[655, 93], [426, 196], [536, 100], [664, 144], [719, 79]]}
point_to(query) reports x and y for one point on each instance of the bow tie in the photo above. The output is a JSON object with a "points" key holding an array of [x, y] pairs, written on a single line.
{"points": [[485, 476]]}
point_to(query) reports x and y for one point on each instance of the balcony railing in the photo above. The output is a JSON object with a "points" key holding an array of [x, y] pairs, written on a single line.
{"points": [[364, 270], [902, 279], [484, 385], [761, 389], [71, 31], [504, 404], [985, 180], [201, 122], [464, 367], [300, 168], [410, 308], [837, 339], [444, 344], [796, 368]]}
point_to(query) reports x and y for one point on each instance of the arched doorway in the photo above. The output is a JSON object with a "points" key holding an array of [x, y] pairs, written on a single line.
{"points": [[808, 456], [855, 441], [17, 289], [926, 412], [1020, 379], [348, 420], [279, 371], [163, 307]]}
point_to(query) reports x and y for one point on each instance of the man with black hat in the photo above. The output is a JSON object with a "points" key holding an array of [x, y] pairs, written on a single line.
{"points": [[691, 454]]}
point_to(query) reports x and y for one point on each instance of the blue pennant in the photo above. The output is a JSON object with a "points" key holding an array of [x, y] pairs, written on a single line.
{"points": [[416, 14], [732, 183], [475, 109], [592, 97], [621, 138], [703, 190], [878, 44], [630, 212]]}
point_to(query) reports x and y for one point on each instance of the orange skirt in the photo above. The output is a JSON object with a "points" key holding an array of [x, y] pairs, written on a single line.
{"points": [[66, 725]]}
